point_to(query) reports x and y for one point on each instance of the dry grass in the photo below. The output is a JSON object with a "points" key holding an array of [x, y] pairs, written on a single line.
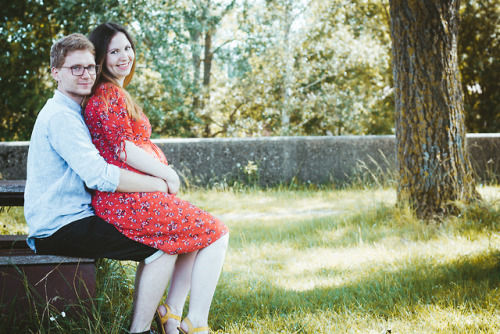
{"points": [[336, 261], [350, 262]]}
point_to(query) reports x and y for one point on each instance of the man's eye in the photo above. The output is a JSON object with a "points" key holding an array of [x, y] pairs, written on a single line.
{"points": [[76, 68], [91, 67]]}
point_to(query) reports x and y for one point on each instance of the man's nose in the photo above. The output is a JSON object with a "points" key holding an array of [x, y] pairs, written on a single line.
{"points": [[86, 73]]}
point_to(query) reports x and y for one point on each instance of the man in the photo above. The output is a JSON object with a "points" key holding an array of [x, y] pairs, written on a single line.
{"points": [[63, 162]]}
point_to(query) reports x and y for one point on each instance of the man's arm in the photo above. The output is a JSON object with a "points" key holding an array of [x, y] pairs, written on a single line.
{"points": [[71, 139], [134, 182]]}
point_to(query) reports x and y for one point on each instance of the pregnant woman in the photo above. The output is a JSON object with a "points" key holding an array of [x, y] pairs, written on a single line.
{"points": [[121, 132]]}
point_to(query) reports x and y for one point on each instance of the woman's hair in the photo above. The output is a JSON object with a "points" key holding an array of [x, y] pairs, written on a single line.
{"points": [[101, 37], [67, 44]]}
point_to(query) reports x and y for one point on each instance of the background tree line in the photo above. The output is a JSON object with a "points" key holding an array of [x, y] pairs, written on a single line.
{"points": [[245, 68]]}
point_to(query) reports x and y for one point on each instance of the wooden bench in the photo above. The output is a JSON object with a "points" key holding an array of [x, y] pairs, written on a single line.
{"points": [[27, 278]]}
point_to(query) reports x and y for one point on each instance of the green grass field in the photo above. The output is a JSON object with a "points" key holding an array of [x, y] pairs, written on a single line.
{"points": [[330, 261]]}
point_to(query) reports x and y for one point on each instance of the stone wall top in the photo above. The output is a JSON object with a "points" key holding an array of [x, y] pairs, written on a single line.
{"points": [[315, 159]]}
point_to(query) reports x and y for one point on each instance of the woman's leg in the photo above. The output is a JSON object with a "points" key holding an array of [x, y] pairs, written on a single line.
{"points": [[206, 271], [178, 290], [150, 283]]}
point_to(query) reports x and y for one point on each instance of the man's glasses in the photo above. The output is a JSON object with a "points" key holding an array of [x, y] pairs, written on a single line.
{"points": [[79, 70]]}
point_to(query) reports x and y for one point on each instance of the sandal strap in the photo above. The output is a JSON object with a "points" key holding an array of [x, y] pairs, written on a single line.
{"points": [[168, 315], [192, 329]]}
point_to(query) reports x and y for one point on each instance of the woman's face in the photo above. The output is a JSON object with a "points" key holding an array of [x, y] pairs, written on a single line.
{"points": [[120, 57]]}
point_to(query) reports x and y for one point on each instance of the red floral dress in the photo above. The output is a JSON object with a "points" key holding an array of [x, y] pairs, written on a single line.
{"points": [[157, 219]]}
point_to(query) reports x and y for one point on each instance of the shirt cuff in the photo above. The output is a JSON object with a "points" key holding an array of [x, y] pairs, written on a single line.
{"points": [[112, 179]]}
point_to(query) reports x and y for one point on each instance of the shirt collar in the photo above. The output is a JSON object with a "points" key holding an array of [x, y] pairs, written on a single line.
{"points": [[67, 101]]}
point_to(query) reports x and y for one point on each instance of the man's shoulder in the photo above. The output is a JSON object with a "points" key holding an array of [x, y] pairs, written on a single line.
{"points": [[56, 116], [56, 107]]}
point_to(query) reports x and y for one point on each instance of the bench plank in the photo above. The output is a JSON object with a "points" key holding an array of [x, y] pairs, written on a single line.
{"points": [[60, 280], [12, 192]]}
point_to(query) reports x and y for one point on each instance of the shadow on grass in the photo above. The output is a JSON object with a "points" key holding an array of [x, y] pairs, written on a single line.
{"points": [[343, 230], [470, 282]]}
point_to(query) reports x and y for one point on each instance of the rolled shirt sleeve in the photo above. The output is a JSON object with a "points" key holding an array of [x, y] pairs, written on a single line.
{"points": [[62, 165]]}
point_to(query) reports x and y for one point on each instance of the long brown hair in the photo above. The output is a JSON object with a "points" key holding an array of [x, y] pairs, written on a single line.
{"points": [[101, 37]]}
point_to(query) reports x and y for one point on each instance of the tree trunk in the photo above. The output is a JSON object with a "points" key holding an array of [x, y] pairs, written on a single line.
{"points": [[196, 53], [207, 70], [207, 61], [432, 160], [288, 68]]}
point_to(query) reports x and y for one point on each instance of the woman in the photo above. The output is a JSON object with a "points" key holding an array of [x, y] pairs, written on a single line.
{"points": [[121, 132]]}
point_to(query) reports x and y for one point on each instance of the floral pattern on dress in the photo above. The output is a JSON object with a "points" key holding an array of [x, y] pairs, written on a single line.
{"points": [[156, 219]]}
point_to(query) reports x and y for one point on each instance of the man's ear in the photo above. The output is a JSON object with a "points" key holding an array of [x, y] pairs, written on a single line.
{"points": [[55, 73]]}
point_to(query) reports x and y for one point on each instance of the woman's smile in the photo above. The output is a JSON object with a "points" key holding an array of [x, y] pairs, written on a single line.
{"points": [[120, 57]]}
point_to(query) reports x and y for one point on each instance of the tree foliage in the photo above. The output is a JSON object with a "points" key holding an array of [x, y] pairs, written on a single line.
{"points": [[243, 68], [479, 50], [27, 31]]}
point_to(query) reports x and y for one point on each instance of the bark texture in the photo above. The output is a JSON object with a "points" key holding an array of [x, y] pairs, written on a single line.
{"points": [[432, 161]]}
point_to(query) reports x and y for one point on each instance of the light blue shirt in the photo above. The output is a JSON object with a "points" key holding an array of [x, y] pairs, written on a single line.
{"points": [[61, 161]]}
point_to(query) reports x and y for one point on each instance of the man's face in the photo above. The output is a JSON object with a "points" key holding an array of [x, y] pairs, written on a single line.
{"points": [[74, 86]]}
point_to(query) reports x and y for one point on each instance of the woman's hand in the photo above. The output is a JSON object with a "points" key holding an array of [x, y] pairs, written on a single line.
{"points": [[145, 162], [173, 186], [172, 179], [162, 185]]}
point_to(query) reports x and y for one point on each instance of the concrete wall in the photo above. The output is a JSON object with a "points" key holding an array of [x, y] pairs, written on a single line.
{"points": [[280, 159]]}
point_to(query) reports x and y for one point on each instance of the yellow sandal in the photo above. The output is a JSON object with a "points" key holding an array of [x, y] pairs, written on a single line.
{"points": [[160, 321], [191, 328]]}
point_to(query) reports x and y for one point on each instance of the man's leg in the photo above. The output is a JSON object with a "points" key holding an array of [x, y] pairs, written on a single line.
{"points": [[94, 238], [150, 283]]}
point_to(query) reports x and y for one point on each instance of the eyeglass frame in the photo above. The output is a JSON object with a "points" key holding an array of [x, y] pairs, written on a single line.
{"points": [[97, 67]]}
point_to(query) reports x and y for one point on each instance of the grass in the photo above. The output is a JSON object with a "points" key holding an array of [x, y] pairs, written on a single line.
{"points": [[332, 261]]}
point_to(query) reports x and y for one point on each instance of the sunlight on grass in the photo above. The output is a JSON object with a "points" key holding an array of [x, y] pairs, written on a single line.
{"points": [[12, 221], [335, 261], [350, 262]]}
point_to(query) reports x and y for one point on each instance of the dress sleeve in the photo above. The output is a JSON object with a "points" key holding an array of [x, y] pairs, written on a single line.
{"points": [[109, 111]]}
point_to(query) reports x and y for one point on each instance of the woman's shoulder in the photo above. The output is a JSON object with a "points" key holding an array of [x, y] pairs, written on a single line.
{"points": [[106, 88], [103, 93]]}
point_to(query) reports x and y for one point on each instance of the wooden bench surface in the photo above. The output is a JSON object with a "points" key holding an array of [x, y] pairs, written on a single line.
{"points": [[12, 192], [15, 250]]}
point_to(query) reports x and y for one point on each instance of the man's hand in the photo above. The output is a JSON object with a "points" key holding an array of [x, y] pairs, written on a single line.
{"points": [[134, 182]]}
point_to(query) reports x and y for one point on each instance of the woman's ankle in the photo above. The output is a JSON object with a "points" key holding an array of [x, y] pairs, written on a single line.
{"points": [[195, 321]]}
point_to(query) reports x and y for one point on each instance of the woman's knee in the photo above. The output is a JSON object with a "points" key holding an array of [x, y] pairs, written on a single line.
{"points": [[224, 239]]}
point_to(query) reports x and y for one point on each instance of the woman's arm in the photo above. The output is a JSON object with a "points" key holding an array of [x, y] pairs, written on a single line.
{"points": [[108, 108], [139, 159]]}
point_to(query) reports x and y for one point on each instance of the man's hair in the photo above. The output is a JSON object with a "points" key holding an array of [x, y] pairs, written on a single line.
{"points": [[67, 44]]}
